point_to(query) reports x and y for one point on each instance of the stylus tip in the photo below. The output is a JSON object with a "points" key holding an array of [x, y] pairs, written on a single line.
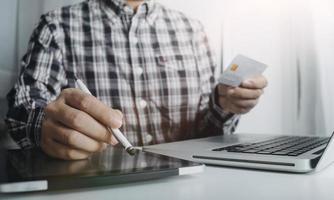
{"points": [[132, 151]]}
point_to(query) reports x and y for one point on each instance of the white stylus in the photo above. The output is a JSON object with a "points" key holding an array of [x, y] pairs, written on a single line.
{"points": [[116, 132]]}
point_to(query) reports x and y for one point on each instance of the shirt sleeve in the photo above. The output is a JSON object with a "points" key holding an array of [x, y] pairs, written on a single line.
{"points": [[40, 81], [212, 119]]}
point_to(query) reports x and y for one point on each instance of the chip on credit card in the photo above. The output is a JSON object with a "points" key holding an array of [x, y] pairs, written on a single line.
{"points": [[240, 69]]}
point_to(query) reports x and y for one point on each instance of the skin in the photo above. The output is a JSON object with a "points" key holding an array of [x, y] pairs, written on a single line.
{"points": [[74, 126], [134, 3], [240, 100]]}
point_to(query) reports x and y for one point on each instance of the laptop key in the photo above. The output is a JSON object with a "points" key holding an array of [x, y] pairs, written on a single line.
{"points": [[250, 151], [264, 152], [288, 146], [279, 153], [293, 154]]}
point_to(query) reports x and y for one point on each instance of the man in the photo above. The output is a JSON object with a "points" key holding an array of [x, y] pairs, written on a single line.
{"points": [[149, 68]]}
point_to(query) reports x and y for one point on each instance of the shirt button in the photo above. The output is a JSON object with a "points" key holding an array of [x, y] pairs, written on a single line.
{"points": [[128, 10], [139, 70], [149, 138], [142, 103], [113, 20], [134, 40]]}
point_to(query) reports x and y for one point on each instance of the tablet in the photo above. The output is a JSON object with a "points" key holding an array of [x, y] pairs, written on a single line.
{"points": [[32, 170]]}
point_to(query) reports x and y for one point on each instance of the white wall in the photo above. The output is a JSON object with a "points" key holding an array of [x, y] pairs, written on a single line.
{"points": [[8, 52], [254, 28], [323, 18]]}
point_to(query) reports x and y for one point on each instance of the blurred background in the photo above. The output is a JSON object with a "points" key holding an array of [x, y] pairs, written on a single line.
{"points": [[294, 37]]}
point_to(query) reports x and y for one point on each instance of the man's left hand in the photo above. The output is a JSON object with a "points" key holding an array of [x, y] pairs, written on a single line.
{"points": [[240, 100]]}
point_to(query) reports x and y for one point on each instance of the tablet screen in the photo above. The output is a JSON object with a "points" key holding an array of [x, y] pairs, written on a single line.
{"points": [[35, 165]]}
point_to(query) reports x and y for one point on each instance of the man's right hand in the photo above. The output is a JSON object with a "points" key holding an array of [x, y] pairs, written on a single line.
{"points": [[75, 124]]}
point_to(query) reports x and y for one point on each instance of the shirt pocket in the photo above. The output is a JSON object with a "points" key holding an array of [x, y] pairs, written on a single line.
{"points": [[180, 83], [177, 62]]}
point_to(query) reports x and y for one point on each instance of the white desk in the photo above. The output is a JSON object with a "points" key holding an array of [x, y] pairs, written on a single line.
{"points": [[215, 183]]}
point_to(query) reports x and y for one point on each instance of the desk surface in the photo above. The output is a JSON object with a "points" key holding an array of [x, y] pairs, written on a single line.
{"points": [[214, 183]]}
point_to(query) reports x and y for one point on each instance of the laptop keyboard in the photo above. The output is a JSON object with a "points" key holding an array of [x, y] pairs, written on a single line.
{"points": [[283, 146]]}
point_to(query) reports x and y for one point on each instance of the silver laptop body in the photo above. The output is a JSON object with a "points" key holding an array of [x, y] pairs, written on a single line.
{"points": [[214, 151]]}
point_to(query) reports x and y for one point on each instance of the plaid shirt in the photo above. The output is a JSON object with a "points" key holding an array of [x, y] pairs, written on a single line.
{"points": [[154, 65]]}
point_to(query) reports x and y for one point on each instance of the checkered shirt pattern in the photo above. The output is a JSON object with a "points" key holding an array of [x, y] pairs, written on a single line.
{"points": [[155, 65]]}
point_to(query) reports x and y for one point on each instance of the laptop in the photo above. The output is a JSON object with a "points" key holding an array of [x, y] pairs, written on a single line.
{"points": [[299, 154], [32, 170]]}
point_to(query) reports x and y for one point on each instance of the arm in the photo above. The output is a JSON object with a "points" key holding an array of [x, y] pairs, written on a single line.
{"points": [[66, 124], [225, 104], [41, 78], [212, 118]]}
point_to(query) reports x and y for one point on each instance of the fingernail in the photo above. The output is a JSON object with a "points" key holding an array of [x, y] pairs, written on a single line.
{"points": [[119, 114], [113, 141], [230, 91], [248, 82], [118, 117]]}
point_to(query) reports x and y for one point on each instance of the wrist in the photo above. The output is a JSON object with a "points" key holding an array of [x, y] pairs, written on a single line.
{"points": [[217, 103]]}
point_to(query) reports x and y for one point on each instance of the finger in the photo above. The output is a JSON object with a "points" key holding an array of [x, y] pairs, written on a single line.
{"points": [[258, 82], [225, 105], [237, 109], [103, 147], [237, 106], [78, 166], [223, 89], [247, 104], [74, 138], [242, 93], [80, 121], [64, 152], [95, 108]]}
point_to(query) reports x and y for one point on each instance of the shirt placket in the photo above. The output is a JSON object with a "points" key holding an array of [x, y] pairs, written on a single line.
{"points": [[137, 64]]}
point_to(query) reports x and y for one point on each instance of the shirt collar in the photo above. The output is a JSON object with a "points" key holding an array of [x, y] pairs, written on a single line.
{"points": [[115, 8], [120, 7]]}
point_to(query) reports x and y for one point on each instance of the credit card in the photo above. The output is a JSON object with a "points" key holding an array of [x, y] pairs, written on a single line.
{"points": [[240, 69]]}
